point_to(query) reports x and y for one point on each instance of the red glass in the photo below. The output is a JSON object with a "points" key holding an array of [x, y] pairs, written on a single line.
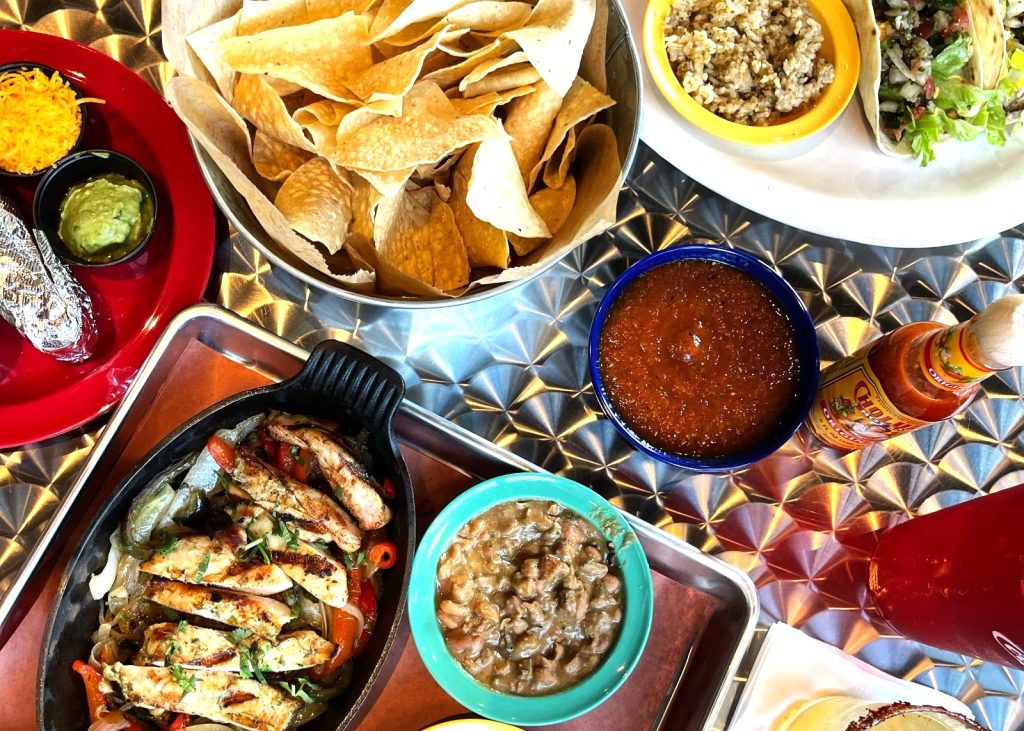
{"points": [[955, 578]]}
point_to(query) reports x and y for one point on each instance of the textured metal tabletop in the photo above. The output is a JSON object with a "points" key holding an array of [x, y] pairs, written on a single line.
{"points": [[513, 369]]}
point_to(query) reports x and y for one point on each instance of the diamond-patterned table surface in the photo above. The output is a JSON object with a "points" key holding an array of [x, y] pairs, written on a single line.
{"points": [[513, 369]]}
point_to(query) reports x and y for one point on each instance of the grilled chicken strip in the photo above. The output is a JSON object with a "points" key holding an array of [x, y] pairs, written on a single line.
{"points": [[312, 569], [262, 615], [199, 559], [307, 530], [350, 480], [280, 493], [218, 696], [211, 649]]}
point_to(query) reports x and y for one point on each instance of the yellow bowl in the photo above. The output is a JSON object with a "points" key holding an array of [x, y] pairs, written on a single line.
{"points": [[839, 46]]}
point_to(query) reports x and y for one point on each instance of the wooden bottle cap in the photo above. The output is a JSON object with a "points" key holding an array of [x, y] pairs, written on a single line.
{"points": [[999, 332]]}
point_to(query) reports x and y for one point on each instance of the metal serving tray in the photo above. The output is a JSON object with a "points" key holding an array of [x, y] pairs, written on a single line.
{"points": [[697, 676]]}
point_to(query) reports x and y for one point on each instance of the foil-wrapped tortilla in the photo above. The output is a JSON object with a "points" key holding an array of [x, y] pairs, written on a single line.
{"points": [[39, 295]]}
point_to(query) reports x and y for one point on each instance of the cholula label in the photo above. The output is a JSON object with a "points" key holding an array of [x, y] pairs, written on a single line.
{"points": [[852, 410]]}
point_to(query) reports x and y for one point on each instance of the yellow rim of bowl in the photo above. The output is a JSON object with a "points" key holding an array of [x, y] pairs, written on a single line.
{"points": [[839, 33]]}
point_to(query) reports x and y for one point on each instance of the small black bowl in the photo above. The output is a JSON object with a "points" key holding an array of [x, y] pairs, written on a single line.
{"points": [[73, 170], [49, 71]]}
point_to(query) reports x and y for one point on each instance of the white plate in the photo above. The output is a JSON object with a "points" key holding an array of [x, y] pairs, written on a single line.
{"points": [[839, 184]]}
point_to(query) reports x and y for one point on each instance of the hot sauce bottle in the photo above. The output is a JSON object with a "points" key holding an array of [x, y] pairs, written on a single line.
{"points": [[916, 375]]}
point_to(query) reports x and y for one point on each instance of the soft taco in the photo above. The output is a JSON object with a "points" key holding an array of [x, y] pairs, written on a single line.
{"points": [[930, 70]]}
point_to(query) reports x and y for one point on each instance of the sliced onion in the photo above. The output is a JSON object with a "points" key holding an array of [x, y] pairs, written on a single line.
{"points": [[203, 474], [911, 91], [890, 107], [100, 583], [897, 60]]}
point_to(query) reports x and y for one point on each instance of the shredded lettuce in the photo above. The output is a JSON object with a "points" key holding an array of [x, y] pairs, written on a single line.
{"points": [[952, 58]]}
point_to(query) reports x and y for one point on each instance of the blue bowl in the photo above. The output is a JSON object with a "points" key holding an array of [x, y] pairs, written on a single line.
{"points": [[633, 630], [792, 306]]}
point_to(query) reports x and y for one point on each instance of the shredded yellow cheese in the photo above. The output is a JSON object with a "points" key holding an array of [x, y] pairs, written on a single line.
{"points": [[40, 119]]}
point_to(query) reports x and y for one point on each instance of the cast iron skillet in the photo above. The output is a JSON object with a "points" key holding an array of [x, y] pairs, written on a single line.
{"points": [[338, 382]]}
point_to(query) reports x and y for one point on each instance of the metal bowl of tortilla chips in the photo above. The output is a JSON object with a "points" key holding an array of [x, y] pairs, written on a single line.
{"points": [[409, 153]]}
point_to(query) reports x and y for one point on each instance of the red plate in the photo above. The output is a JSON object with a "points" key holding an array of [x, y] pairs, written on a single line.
{"points": [[39, 396]]}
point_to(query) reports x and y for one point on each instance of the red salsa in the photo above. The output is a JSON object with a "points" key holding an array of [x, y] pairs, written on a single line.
{"points": [[698, 359]]}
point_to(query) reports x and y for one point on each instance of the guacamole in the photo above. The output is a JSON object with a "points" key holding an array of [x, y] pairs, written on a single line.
{"points": [[103, 217]]}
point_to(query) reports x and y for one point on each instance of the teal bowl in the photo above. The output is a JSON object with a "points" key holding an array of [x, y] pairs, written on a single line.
{"points": [[633, 630]]}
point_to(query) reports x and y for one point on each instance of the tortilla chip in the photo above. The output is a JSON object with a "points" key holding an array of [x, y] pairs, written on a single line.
{"points": [[204, 44], [319, 56], [388, 184], [491, 16], [496, 193], [593, 65], [224, 136], [365, 199], [180, 19], [260, 15], [412, 35], [395, 76], [486, 245], [415, 232], [508, 78], [260, 104], [453, 71], [582, 102], [429, 128], [276, 160], [283, 88], [487, 103], [317, 203], [395, 16], [598, 178], [490, 66], [528, 122], [553, 205], [557, 168], [554, 38]]}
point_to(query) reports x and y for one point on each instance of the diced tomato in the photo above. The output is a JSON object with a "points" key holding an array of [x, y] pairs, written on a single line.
{"points": [[383, 554], [285, 460], [368, 606], [179, 722], [929, 88], [918, 112], [961, 20], [925, 30], [304, 463], [222, 452], [270, 445], [387, 489]]}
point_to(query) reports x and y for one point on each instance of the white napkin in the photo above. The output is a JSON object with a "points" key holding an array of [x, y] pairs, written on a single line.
{"points": [[792, 667]]}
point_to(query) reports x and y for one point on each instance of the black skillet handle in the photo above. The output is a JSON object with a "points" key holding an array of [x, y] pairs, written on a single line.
{"points": [[368, 388]]}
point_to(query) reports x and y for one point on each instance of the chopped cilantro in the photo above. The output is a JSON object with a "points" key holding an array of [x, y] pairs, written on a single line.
{"points": [[295, 451], [300, 689], [203, 565], [169, 613], [281, 528], [223, 482], [354, 560], [250, 662], [182, 625], [236, 636], [166, 545], [254, 548], [187, 682]]}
